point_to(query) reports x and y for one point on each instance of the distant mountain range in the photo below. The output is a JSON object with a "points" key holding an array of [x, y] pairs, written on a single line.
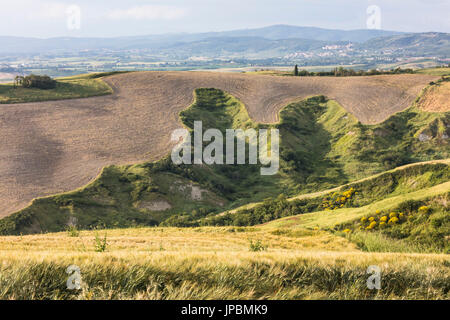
{"points": [[273, 41], [279, 32]]}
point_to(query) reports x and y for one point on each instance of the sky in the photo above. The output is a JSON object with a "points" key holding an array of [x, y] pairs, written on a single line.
{"points": [[112, 18]]}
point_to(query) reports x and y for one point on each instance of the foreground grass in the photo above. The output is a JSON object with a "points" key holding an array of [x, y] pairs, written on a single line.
{"points": [[81, 86], [212, 263]]}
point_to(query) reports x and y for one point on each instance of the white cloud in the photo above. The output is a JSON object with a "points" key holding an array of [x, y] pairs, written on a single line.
{"points": [[53, 10], [45, 10], [148, 12], [32, 10]]}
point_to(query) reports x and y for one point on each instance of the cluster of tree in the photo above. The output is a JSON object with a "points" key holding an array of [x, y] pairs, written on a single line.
{"points": [[342, 72], [35, 81]]}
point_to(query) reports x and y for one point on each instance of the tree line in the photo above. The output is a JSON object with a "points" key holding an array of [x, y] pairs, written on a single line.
{"points": [[342, 72]]}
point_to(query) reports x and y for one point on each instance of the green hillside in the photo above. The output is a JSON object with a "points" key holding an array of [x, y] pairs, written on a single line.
{"points": [[393, 184], [322, 146], [416, 221], [80, 86]]}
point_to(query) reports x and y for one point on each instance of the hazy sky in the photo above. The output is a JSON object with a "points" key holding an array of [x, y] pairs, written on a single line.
{"points": [[108, 18]]}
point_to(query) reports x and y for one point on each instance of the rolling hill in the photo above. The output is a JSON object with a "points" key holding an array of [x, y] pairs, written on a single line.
{"points": [[343, 199], [133, 124], [322, 146], [426, 44]]}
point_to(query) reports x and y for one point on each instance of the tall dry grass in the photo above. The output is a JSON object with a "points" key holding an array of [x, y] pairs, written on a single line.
{"points": [[212, 263]]}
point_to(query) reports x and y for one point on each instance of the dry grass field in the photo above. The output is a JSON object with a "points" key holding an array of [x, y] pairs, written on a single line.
{"points": [[56, 146], [212, 263]]}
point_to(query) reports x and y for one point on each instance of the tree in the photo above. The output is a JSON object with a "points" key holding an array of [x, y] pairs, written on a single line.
{"points": [[18, 81], [35, 81], [304, 73], [296, 70]]}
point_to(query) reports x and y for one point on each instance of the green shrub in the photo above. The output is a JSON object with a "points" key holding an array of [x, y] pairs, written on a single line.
{"points": [[72, 231], [35, 81], [100, 243], [257, 246]]}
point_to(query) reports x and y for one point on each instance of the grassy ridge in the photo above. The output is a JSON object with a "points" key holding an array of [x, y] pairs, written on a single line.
{"points": [[329, 220], [434, 71], [391, 184], [416, 230], [411, 177], [322, 146], [81, 86]]}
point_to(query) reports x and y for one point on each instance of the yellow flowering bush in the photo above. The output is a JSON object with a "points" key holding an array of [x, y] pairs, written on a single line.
{"points": [[424, 209], [393, 220], [349, 193], [338, 200], [371, 225], [382, 220]]}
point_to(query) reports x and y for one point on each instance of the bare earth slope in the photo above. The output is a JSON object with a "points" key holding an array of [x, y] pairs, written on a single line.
{"points": [[56, 146], [436, 98]]}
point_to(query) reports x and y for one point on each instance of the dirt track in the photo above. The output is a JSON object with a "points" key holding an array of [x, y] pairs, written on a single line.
{"points": [[51, 147]]}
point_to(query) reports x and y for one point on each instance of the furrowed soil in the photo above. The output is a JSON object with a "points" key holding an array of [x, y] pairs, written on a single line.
{"points": [[57, 146]]}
